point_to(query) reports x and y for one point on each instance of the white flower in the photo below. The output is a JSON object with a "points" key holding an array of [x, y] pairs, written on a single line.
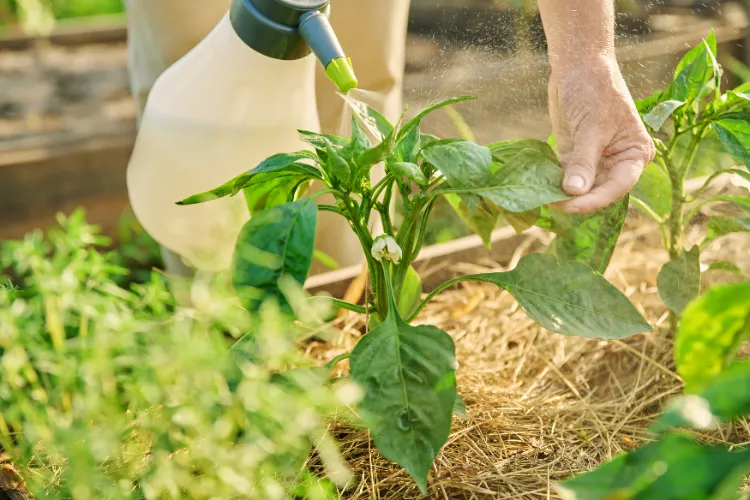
{"points": [[385, 247]]}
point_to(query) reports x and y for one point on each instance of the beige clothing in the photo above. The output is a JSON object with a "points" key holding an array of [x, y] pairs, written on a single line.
{"points": [[372, 33]]}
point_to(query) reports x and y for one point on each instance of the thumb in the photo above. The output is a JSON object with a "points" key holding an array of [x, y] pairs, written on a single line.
{"points": [[581, 167]]}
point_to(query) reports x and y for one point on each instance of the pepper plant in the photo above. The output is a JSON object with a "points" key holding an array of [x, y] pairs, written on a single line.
{"points": [[406, 370], [680, 119]]}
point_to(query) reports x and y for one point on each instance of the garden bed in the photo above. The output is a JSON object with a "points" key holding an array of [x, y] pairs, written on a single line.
{"points": [[540, 407]]}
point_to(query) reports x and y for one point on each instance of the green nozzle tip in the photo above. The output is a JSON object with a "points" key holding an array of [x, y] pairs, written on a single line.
{"points": [[340, 72]]}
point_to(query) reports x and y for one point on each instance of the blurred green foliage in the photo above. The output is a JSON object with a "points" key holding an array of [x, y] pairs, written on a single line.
{"points": [[124, 393], [10, 10]]}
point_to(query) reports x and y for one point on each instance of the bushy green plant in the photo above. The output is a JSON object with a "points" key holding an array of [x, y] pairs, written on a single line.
{"points": [[681, 118], [408, 372], [122, 393]]}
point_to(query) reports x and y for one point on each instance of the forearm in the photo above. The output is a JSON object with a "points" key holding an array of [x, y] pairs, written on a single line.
{"points": [[578, 29]]}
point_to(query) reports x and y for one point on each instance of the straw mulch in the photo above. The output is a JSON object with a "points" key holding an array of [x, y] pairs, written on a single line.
{"points": [[541, 407]]}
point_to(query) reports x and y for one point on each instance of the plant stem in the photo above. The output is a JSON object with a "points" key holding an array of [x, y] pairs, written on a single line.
{"points": [[342, 304], [676, 226]]}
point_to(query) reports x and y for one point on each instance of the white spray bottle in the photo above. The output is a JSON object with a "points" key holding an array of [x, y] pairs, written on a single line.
{"points": [[238, 97]]}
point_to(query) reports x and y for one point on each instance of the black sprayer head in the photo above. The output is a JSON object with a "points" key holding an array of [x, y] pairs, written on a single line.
{"points": [[291, 29]]}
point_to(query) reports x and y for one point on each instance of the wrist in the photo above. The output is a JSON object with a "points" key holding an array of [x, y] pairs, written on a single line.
{"points": [[591, 63]]}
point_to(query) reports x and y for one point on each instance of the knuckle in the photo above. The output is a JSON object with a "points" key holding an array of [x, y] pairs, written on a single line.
{"points": [[582, 163]]}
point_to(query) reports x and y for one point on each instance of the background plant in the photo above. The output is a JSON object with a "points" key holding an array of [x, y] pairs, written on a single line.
{"points": [[681, 119], [114, 393], [408, 372]]}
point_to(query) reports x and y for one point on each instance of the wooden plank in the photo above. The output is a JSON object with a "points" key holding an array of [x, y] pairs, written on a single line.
{"points": [[38, 183]]}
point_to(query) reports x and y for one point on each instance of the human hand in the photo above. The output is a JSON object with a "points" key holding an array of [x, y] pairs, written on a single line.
{"points": [[602, 142]]}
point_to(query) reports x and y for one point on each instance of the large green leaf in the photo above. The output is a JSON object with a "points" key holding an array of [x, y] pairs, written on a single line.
{"points": [[734, 131], [696, 71], [661, 113], [674, 468], [482, 220], [408, 374], [278, 241], [526, 182], [266, 191], [570, 299], [464, 164], [721, 226], [679, 281], [590, 238], [279, 164], [414, 122], [505, 151], [521, 221], [654, 189], [725, 398], [711, 330]]}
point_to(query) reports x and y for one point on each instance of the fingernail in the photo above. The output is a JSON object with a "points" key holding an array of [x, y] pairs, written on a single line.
{"points": [[575, 182]]}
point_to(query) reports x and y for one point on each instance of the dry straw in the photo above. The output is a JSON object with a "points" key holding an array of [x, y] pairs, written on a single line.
{"points": [[541, 407]]}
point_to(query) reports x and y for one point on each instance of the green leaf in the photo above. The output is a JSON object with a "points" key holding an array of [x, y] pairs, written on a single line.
{"points": [[266, 191], [711, 330], [526, 182], [409, 170], [319, 141], [407, 149], [679, 281], [570, 299], [283, 163], [377, 124], [644, 106], [695, 72], [505, 151], [326, 259], [482, 221], [408, 374], [590, 238], [409, 294], [278, 241], [337, 167], [459, 407], [378, 153], [724, 399], [358, 144], [414, 122], [661, 113], [674, 468], [734, 131], [654, 189], [725, 266], [721, 226], [464, 164], [521, 221]]}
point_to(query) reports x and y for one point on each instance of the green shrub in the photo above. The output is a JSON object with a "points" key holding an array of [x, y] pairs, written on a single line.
{"points": [[122, 393]]}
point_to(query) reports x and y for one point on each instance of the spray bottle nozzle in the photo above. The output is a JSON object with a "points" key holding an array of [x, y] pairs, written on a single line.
{"points": [[320, 37]]}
